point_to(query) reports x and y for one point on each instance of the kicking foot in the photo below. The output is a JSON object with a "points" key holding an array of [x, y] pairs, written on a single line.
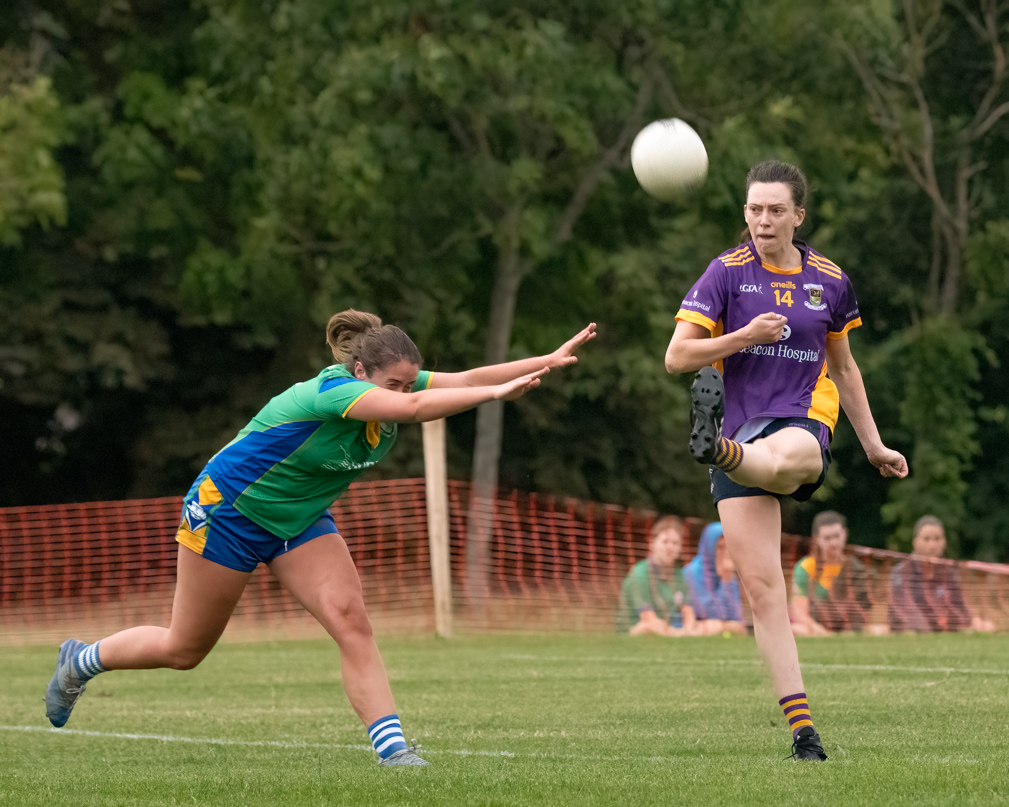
{"points": [[65, 687], [707, 396]]}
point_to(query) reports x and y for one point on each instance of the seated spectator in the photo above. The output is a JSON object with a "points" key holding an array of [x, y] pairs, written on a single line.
{"points": [[653, 595], [924, 596], [712, 585], [830, 592]]}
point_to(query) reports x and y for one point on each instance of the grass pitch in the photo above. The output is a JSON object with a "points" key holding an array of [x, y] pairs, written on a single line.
{"points": [[505, 720]]}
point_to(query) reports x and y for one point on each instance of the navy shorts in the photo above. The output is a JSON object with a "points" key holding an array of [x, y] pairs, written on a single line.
{"points": [[213, 528], [724, 488]]}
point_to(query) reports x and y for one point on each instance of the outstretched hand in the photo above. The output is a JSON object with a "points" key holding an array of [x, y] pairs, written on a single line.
{"points": [[565, 354], [512, 390], [889, 462]]}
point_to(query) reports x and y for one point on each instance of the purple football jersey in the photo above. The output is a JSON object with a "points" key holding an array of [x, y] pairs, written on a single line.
{"points": [[786, 379]]}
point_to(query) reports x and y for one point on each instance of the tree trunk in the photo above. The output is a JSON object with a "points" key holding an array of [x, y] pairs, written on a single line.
{"points": [[489, 424]]}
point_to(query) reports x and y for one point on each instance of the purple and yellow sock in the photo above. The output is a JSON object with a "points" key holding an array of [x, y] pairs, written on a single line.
{"points": [[729, 455], [796, 709]]}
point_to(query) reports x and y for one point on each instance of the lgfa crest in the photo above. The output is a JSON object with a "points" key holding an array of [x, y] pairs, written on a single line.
{"points": [[815, 296]]}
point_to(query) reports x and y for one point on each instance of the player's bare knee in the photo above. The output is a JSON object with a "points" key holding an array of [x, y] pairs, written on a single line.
{"points": [[764, 591], [186, 658], [348, 620]]}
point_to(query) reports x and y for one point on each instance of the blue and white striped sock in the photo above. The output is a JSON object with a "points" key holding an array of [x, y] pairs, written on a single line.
{"points": [[387, 736], [87, 664]]}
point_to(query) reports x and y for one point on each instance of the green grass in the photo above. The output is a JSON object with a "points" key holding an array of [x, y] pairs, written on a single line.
{"points": [[603, 720]]}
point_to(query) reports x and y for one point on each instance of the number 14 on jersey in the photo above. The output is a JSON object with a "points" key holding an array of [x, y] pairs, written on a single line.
{"points": [[783, 297]]}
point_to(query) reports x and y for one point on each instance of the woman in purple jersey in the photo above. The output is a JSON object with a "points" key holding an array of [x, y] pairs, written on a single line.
{"points": [[774, 316], [374, 365]]}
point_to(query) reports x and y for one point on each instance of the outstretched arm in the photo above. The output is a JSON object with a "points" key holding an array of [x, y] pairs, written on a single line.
{"points": [[431, 404], [501, 373], [845, 374]]}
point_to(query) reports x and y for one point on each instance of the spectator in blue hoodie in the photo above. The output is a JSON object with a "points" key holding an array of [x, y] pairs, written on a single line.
{"points": [[712, 587]]}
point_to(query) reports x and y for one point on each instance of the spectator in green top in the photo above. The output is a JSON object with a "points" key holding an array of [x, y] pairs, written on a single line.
{"points": [[830, 592], [653, 596]]}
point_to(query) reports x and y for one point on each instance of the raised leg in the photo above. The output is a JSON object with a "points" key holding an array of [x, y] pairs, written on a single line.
{"points": [[781, 462]]}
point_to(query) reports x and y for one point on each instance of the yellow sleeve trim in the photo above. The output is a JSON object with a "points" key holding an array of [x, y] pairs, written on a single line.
{"points": [[354, 402], [840, 335], [430, 381], [698, 319]]}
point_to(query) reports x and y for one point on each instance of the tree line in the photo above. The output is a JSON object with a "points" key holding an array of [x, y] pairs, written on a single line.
{"points": [[187, 192]]}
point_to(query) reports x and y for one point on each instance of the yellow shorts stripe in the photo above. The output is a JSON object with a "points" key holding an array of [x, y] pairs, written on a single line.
{"points": [[208, 492], [190, 539]]}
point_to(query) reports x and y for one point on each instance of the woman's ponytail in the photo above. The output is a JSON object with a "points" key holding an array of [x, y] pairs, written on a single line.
{"points": [[345, 328]]}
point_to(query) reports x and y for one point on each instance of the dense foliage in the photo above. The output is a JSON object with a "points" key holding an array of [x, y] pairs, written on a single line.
{"points": [[189, 192]]}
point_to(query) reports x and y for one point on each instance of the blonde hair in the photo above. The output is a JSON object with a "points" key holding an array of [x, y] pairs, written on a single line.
{"points": [[357, 336], [344, 329]]}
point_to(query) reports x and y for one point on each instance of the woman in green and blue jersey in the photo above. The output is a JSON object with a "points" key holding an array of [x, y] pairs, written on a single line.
{"points": [[264, 498]]}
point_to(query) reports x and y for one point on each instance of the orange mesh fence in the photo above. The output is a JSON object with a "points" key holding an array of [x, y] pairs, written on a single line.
{"points": [[554, 565]]}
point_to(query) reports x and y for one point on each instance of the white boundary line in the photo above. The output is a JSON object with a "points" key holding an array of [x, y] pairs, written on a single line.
{"points": [[806, 665], [165, 738]]}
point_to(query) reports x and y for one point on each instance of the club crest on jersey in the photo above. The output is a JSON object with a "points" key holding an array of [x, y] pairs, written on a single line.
{"points": [[195, 517], [815, 300]]}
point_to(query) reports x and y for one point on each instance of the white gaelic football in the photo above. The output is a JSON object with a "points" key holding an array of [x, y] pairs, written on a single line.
{"points": [[668, 157]]}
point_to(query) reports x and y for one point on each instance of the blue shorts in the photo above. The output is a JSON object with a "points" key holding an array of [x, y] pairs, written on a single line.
{"points": [[724, 488], [213, 528]]}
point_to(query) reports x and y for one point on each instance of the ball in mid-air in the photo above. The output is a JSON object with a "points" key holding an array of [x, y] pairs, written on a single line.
{"points": [[668, 158]]}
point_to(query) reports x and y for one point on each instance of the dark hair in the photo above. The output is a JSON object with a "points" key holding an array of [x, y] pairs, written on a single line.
{"points": [[775, 171], [827, 519], [357, 336], [926, 521]]}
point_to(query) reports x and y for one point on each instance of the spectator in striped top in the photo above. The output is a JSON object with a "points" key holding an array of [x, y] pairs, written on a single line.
{"points": [[830, 592], [926, 596]]}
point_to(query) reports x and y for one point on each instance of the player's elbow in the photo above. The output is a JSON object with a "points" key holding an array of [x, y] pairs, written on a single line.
{"points": [[414, 411], [676, 361]]}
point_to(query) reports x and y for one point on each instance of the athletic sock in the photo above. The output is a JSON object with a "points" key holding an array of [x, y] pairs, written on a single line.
{"points": [[796, 709], [729, 455], [387, 736], [87, 664]]}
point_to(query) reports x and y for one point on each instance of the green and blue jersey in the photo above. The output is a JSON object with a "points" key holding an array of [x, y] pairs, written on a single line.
{"points": [[302, 451]]}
